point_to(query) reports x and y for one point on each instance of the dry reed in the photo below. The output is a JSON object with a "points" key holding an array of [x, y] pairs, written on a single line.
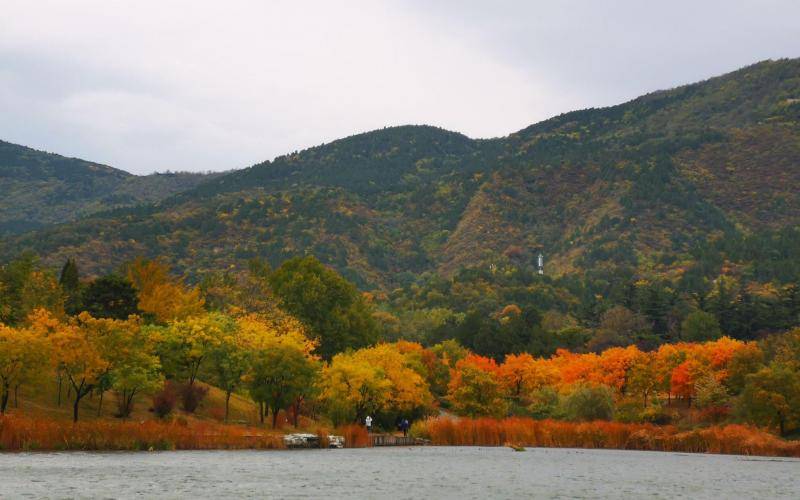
{"points": [[19, 433], [730, 439]]}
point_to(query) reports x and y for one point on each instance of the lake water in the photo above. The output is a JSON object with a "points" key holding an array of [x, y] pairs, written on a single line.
{"points": [[422, 472]]}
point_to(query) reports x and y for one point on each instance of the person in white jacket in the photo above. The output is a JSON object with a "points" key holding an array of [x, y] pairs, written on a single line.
{"points": [[368, 421]]}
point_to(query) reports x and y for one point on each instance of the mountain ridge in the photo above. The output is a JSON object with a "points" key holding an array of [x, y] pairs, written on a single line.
{"points": [[42, 188], [639, 184]]}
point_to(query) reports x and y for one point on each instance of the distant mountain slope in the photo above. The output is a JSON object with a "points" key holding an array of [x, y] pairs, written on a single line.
{"points": [[43, 188], [645, 180], [642, 186]]}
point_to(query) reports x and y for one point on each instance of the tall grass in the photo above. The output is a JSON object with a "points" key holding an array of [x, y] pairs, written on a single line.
{"points": [[732, 439], [18, 433], [355, 436]]}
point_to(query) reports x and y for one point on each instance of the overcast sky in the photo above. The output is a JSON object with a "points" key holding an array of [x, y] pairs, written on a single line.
{"points": [[199, 85]]}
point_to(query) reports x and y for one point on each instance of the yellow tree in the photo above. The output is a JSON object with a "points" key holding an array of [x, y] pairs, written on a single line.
{"points": [[23, 354], [185, 345], [408, 391], [353, 388], [771, 396], [643, 377], [129, 349], [439, 360], [162, 295], [282, 369], [78, 356], [280, 375], [229, 361]]}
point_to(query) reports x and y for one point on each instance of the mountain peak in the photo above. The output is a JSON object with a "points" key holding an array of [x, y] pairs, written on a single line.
{"points": [[639, 186]]}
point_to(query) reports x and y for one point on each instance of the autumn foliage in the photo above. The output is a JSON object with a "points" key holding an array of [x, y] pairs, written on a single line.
{"points": [[18, 433], [177, 353], [732, 439]]}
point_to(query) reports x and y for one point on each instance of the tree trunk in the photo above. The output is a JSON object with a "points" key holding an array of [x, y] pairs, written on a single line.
{"points": [[296, 412], [80, 392], [261, 411], [4, 401], [125, 405], [129, 404], [274, 417], [100, 405], [60, 380], [227, 404]]}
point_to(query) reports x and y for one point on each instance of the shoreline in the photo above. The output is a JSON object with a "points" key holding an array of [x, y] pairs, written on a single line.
{"points": [[24, 434], [767, 458]]}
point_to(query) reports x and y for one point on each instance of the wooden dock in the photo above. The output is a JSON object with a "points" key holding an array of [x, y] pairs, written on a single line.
{"points": [[392, 440]]}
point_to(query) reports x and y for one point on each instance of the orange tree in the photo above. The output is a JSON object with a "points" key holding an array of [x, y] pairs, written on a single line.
{"points": [[475, 388]]}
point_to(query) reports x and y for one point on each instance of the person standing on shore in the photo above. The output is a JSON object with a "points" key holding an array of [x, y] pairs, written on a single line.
{"points": [[405, 425], [368, 421]]}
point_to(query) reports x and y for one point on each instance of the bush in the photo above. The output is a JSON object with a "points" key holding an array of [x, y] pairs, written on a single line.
{"points": [[711, 393], [658, 415], [545, 404], [164, 400], [714, 414], [629, 411], [191, 396], [587, 403]]}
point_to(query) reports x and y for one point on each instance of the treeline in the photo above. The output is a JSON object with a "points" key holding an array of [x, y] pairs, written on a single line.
{"points": [[143, 331], [606, 307], [301, 339]]}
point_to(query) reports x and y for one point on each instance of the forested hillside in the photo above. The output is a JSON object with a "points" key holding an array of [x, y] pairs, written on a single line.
{"points": [[637, 185], [394, 274], [679, 201], [39, 189]]}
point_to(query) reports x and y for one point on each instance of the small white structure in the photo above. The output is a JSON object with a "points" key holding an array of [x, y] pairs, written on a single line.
{"points": [[335, 441], [540, 263], [301, 440], [304, 440]]}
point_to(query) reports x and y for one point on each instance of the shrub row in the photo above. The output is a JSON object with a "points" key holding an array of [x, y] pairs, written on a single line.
{"points": [[729, 439]]}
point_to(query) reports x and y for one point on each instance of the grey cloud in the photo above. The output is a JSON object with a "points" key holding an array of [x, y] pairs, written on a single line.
{"points": [[201, 85]]}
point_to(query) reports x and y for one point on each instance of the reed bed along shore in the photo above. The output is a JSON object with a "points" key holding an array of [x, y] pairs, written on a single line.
{"points": [[21, 433], [355, 436], [728, 439], [18, 433]]}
